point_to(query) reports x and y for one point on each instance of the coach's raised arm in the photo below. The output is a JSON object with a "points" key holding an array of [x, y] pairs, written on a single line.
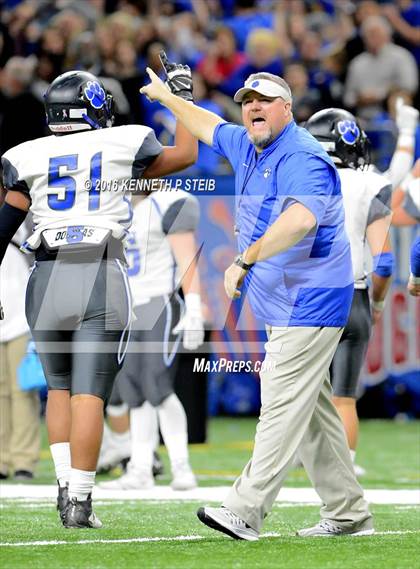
{"points": [[199, 122]]}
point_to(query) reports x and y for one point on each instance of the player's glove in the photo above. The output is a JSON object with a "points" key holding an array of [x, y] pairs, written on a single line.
{"points": [[406, 117], [1, 312], [178, 78], [191, 323]]}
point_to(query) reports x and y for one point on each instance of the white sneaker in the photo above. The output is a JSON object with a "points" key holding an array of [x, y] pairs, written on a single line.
{"points": [[133, 479], [182, 476], [113, 452], [222, 519], [327, 528], [359, 470]]}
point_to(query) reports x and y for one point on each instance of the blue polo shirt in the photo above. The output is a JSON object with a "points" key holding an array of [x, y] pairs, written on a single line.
{"points": [[310, 284]]}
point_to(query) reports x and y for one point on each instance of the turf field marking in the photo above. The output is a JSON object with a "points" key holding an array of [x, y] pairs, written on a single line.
{"points": [[48, 504], [165, 539], [209, 493]]}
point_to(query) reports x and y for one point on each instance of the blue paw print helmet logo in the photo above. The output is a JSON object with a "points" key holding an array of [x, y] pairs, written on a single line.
{"points": [[349, 131], [95, 94]]}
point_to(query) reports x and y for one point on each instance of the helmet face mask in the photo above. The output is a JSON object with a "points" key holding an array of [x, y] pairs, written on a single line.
{"points": [[341, 136], [77, 101]]}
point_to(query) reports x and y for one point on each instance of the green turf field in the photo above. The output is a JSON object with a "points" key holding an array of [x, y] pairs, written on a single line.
{"points": [[166, 534]]}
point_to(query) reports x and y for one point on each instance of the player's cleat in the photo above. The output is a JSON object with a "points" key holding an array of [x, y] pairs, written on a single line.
{"points": [[222, 519], [327, 528], [62, 500], [79, 514], [113, 453], [133, 479], [157, 467], [182, 476]]}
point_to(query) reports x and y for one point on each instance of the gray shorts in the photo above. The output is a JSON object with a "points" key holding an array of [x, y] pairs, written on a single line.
{"points": [[149, 369], [348, 359], [78, 314]]}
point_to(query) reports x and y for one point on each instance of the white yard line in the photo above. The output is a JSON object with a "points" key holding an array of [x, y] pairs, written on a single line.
{"points": [[204, 494], [163, 539]]}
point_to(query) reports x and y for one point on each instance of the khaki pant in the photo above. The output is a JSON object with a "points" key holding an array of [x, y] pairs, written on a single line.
{"points": [[297, 412], [19, 413]]}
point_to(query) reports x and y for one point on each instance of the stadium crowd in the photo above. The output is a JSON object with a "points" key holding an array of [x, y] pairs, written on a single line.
{"points": [[354, 54]]}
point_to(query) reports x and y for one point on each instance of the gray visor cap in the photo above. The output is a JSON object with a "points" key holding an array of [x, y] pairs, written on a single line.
{"points": [[263, 87]]}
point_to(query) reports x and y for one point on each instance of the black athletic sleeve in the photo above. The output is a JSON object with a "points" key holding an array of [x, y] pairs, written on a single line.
{"points": [[146, 154], [11, 218], [11, 179], [181, 216], [380, 205]]}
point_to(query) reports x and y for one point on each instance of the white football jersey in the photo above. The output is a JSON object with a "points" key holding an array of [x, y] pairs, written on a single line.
{"points": [[366, 197], [81, 178], [152, 267]]}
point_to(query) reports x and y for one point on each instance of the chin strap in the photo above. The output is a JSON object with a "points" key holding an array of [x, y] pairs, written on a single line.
{"points": [[92, 123]]}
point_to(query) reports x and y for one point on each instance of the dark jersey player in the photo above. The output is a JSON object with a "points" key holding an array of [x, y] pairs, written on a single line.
{"points": [[78, 302]]}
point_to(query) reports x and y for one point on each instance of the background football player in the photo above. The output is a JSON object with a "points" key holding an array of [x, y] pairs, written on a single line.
{"points": [[165, 222], [78, 302], [366, 200]]}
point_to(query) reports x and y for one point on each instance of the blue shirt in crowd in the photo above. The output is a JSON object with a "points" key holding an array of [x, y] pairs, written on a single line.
{"points": [[310, 284]]}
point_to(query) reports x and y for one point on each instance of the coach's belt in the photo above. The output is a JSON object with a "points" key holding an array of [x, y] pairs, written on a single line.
{"points": [[74, 237]]}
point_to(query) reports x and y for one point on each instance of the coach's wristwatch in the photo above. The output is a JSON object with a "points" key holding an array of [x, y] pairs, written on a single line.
{"points": [[239, 260]]}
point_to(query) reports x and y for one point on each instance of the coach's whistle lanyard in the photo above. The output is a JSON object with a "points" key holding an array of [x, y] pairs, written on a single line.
{"points": [[244, 185]]}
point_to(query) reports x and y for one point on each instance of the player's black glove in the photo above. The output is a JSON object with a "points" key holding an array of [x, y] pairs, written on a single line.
{"points": [[178, 78], [1, 312]]}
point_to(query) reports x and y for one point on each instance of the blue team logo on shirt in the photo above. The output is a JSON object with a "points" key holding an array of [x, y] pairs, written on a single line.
{"points": [[349, 131], [95, 94]]}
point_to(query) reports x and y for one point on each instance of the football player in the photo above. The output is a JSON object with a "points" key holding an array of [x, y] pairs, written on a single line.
{"points": [[165, 221], [406, 212], [78, 302], [366, 200]]}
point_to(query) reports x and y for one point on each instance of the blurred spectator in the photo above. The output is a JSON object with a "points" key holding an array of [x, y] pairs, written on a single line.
{"points": [[375, 72], [22, 116], [68, 24], [320, 77], [83, 53], [306, 100], [222, 59], [130, 78], [363, 10], [405, 20], [106, 44], [246, 19], [187, 42], [263, 54]]}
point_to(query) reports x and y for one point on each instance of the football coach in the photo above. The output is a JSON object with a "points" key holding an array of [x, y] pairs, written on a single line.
{"points": [[295, 267]]}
